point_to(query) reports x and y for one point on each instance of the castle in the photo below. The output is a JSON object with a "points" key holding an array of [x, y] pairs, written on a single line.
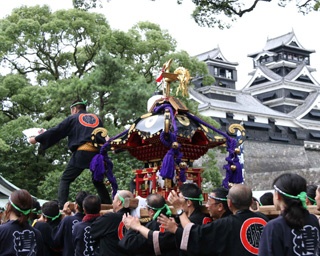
{"points": [[279, 108]]}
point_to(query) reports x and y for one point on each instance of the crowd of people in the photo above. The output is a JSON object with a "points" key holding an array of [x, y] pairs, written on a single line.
{"points": [[177, 226]]}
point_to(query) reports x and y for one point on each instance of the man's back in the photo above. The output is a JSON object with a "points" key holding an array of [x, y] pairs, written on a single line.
{"points": [[82, 240], [237, 234], [63, 235], [108, 230]]}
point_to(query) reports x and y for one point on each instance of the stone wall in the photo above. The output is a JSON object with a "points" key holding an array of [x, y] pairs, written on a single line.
{"points": [[264, 161]]}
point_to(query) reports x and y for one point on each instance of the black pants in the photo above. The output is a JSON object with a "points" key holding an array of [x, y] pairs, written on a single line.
{"points": [[79, 161]]}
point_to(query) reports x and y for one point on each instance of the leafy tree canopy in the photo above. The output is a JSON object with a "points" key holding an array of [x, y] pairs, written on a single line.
{"points": [[51, 45], [213, 13]]}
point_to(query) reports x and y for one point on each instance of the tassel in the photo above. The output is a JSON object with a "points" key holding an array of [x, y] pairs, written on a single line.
{"points": [[182, 175], [97, 167], [111, 177], [168, 165]]}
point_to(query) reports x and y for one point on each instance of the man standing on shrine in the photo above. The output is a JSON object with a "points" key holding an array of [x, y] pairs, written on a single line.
{"points": [[78, 128]]}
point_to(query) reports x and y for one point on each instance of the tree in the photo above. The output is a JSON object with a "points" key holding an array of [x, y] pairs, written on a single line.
{"points": [[211, 13], [211, 175], [51, 46]]}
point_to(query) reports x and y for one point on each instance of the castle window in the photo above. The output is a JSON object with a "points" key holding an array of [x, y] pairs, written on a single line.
{"points": [[222, 73], [271, 120], [296, 95], [228, 74], [229, 115], [251, 118]]}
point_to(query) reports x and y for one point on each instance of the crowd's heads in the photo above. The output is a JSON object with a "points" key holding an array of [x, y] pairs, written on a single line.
{"points": [[79, 199], [240, 196], [191, 191], [267, 198], [92, 204], [20, 203], [50, 210]]}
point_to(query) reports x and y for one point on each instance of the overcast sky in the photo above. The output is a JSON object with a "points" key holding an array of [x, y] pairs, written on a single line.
{"points": [[247, 35]]}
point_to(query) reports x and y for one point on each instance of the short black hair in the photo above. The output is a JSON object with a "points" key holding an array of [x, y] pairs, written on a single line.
{"points": [[80, 106], [92, 204], [79, 199], [191, 190], [266, 198], [222, 193], [50, 210]]}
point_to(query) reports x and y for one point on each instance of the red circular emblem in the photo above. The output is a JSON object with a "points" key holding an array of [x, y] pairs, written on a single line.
{"points": [[250, 234], [89, 120]]}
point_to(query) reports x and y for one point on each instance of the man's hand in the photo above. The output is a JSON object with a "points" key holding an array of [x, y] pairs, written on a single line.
{"points": [[131, 222], [66, 209], [32, 140], [175, 200], [169, 224]]}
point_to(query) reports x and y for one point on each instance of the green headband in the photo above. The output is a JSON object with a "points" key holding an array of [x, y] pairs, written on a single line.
{"points": [[158, 210], [302, 196], [312, 200], [52, 218], [218, 198], [24, 212], [35, 211], [121, 199], [200, 198], [84, 102]]}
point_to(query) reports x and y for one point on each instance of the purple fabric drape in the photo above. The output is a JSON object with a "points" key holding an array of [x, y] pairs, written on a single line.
{"points": [[101, 165]]}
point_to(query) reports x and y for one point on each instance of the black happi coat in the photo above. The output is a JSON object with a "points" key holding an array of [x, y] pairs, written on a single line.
{"points": [[158, 241], [279, 239], [82, 240], [108, 230], [63, 235], [233, 235], [78, 129], [17, 240]]}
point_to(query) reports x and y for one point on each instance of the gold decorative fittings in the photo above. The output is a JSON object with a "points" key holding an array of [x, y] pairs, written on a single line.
{"points": [[233, 128], [183, 165], [175, 145], [237, 151]]}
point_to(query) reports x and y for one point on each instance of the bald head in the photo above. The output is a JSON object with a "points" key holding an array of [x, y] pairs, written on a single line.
{"points": [[240, 196], [119, 199], [125, 194]]}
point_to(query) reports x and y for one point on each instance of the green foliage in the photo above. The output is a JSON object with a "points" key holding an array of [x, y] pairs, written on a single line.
{"points": [[51, 45], [49, 186], [211, 175], [218, 13]]}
